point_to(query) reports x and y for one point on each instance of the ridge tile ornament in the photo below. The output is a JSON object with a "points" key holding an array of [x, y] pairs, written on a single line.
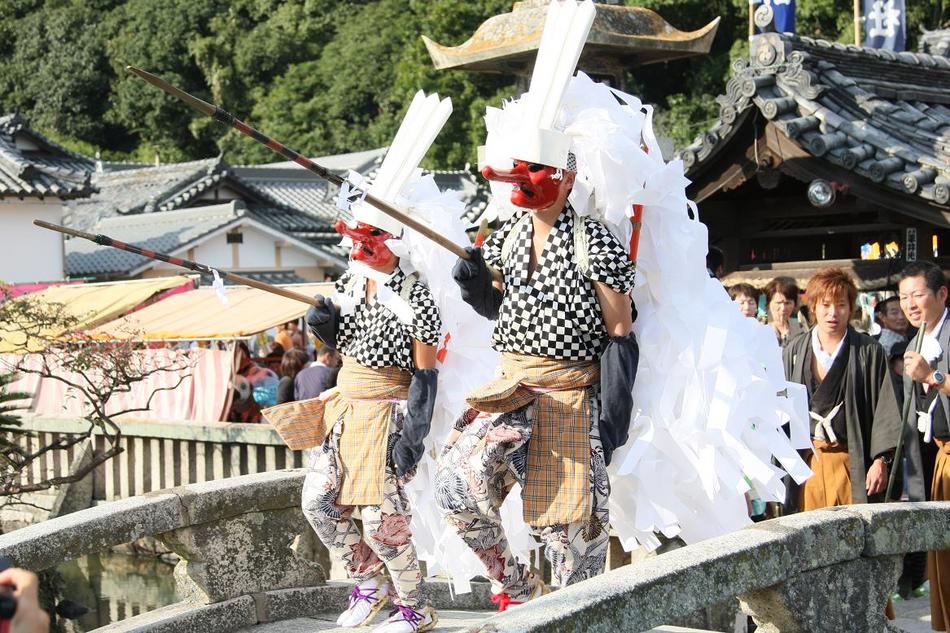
{"points": [[621, 37], [873, 112]]}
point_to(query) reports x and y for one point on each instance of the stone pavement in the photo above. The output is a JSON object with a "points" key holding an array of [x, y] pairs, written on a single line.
{"points": [[913, 616], [449, 622]]}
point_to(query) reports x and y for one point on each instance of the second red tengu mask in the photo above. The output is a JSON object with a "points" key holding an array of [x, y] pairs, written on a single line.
{"points": [[535, 185], [369, 243]]}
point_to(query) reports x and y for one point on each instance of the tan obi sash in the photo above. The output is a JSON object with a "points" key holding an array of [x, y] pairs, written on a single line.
{"points": [[364, 400], [557, 473], [830, 485]]}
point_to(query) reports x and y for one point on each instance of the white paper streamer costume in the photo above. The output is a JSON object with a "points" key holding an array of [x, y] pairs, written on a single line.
{"points": [[708, 409], [467, 360]]}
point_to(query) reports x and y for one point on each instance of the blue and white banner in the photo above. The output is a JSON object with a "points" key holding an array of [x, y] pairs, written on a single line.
{"points": [[885, 25], [784, 11]]}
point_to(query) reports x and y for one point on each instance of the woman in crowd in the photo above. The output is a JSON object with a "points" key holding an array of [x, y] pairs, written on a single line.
{"points": [[746, 297], [294, 360], [781, 297]]}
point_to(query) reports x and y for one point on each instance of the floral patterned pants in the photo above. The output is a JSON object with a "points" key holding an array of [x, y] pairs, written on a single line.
{"points": [[477, 471], [385, 544]]}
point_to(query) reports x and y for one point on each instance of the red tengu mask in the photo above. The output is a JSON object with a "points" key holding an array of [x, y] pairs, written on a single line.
{"points": [[369, 243], [535, 186]]}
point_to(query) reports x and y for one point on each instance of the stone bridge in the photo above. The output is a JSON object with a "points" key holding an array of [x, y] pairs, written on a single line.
{"points": [[249, 561]]}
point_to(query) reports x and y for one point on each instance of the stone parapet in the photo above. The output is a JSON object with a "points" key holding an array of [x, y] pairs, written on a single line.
{"points": [[786, 571]]}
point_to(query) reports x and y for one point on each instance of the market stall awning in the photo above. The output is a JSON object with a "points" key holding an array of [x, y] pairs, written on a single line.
{"points": [[201, 314], [85, 306]]}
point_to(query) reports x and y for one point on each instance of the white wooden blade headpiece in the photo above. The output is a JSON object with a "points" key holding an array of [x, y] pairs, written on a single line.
{"points": [[423, 121]]}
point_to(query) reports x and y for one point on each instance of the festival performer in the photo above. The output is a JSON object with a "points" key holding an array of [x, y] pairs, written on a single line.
{"points": [[562, 403], [385, 323], [569, 163]]}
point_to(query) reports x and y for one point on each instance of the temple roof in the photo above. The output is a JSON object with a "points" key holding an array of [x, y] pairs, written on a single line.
{"points": [[621, 37], [33, 166], [935, 42], [872, 119]]}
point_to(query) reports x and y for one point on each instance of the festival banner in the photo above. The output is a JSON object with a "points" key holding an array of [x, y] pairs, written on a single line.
{"points": [[784, 11], [885, 25]]}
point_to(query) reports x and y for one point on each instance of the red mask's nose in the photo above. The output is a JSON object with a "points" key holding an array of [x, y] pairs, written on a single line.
{"points": [[536, 186], [505, 175]]}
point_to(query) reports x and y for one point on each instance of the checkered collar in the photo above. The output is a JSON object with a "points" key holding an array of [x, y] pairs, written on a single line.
{"points": [[396, 280], [393, 281]]}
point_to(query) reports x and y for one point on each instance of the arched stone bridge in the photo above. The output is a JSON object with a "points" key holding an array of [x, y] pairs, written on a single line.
{"points": [[245, 564]]}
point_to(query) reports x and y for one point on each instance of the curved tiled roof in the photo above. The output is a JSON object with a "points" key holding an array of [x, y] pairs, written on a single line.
{"points": [[32, 165], [144, 190], [162, 232], [620, 37], [884, 116]]}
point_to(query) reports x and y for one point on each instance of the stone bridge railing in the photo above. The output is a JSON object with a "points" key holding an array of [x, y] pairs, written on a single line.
{"points": [[827, 570], [248, 557]]}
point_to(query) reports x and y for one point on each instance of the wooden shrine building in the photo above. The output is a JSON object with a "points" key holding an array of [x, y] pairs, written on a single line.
{"points": [[819, 149]]}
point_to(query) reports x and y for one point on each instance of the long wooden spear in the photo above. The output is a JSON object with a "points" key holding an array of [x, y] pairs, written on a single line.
{"points": [[230, 120], [105, 240]]}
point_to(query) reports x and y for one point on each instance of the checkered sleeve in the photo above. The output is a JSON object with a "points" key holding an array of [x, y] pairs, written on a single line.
{"points": [[427, 322], [491, 249], [340, 284], [609, 261]]}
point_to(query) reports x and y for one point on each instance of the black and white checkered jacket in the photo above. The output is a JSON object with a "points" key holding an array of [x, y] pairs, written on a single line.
{"points": [[373, 335], [556, 312]]}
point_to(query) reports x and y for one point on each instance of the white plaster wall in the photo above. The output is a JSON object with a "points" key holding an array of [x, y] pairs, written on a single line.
{"points": [[215, 252], [293, 257], [27, 252], [256, 252]]}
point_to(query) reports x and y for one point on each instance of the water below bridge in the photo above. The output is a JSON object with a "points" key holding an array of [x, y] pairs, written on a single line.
{"points": [[117, 586]]}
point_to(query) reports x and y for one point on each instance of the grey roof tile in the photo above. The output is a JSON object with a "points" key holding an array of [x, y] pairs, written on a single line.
{"points": [[144, 189], [32, 165], [164, 232], [883, 116]]}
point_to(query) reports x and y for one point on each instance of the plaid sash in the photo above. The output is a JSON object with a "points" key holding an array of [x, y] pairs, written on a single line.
{"points": [[364, 404], [557, 473]]}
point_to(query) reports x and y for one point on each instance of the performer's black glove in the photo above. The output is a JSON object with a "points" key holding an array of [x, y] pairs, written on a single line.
{"points": [[475, 281], [324, 321], [618, 371], [408, 449]]}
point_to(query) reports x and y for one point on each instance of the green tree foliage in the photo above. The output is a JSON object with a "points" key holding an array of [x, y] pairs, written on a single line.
{"points": [[325, 76]]}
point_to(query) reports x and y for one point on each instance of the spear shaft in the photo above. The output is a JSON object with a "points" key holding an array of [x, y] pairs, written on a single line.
{"points": [[105, 240], [223, 116]]}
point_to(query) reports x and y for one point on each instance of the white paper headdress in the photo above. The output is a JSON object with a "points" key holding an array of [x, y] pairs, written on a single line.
{"points": [[533, 132], [420, 126]]}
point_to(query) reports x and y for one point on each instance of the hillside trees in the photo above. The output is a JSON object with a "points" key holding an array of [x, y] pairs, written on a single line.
{"points": [[325, 76]]}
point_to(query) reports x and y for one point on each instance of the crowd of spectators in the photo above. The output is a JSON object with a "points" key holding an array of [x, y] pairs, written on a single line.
{"points": [[901, 392], [287, 368]]}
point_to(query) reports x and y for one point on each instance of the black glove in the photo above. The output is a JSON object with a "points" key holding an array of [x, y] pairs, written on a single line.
{"points": [[409, 447], [618, 371], [475, 281], [324, 321]]}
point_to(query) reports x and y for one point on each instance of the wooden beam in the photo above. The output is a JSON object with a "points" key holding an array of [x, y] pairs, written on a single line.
{"points": [[823, 230], [801, 165]]}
